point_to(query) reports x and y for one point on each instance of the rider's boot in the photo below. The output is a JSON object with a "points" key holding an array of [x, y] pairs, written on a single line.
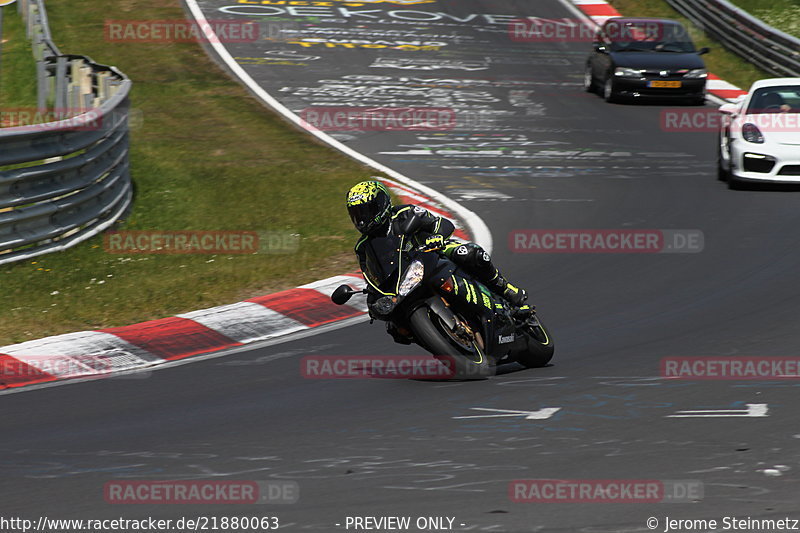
{"points": [[514, 295]]}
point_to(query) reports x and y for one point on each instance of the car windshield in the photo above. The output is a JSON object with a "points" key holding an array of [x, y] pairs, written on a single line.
{"points": [[783, 99], [647, 36], [641, 46]]}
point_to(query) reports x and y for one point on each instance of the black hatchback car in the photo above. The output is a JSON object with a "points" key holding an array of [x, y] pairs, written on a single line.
{"points": [[646, 57]]}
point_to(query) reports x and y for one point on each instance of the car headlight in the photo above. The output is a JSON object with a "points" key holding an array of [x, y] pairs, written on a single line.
{"points": [[411, 278], [696, 73], [626, 72], [752, 134]]}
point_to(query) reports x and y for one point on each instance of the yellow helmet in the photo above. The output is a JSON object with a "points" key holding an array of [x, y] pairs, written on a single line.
{"points": [[369, 205]]}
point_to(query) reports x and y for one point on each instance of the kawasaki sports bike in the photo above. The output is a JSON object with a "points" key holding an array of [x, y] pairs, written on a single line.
{"points": [[428, 300]]}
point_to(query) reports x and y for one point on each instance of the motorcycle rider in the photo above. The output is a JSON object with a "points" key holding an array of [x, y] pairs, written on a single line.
{"points": [[370, 207]]}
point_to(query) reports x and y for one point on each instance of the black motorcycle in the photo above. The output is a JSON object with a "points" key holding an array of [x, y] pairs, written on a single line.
{"points": [[428, 300]]}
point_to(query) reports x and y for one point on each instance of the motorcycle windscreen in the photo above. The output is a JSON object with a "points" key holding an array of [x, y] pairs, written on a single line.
{"points": [[383, 261]]}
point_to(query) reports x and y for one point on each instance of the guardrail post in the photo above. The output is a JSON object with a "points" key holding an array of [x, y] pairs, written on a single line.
{"points": [[41, 85], [85, 86], [61, 84], [36, 36], [73, 91], [32, 10], [102, 85]]}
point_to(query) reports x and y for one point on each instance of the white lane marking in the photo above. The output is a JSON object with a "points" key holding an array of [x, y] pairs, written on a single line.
{"points": [[481, 194], [327, 286], [541, 414], [753, 410], [245, 322], [83, 353], [721, 85], [570, 5]]}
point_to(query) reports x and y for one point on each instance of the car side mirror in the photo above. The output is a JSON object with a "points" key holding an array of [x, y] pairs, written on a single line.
{"points": [[703, 51], [728, 109]]}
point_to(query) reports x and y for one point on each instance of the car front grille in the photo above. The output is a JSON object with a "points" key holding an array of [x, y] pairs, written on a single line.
{"points": [[790, 170], [758, 165]]}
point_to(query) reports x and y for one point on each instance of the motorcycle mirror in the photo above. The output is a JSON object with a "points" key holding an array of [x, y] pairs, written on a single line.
{"points": [[342, 294]]}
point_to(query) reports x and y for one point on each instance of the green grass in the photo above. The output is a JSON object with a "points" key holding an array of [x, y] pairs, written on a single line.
{"points": [[206, 156], [724, 64], [782, 14], [17, 66]]}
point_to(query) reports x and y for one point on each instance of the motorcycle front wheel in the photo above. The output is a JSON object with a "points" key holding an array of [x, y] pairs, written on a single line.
{"points": [[464, 361], [540, 346]]}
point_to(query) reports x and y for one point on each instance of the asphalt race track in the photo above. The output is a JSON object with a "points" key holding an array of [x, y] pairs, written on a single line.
{"points": [[547, 155]]}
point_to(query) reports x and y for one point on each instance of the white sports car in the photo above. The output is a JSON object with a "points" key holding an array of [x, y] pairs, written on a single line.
{"points": [[760, 136]]}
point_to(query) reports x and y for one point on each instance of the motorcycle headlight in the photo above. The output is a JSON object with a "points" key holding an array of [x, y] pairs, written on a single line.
{"points": [[696, 73], [752, 134], [411, 278], [626, 72]]}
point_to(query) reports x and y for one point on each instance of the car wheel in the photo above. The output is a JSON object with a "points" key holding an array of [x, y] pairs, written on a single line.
{"points": [[722, 173], [588, 80], [734, 183], [609, 91]]}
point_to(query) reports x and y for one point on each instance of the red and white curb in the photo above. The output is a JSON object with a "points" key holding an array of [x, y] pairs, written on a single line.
{"points": [[600, 11], [105, 352]]}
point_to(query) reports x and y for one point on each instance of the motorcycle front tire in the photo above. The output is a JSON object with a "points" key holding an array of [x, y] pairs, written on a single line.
{"points": [[462, 364]]}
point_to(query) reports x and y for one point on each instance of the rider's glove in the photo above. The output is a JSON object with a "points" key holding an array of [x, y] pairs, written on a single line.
{"points": [[434, 242]]}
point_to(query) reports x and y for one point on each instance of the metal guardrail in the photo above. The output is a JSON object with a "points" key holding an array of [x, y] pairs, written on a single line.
{"points": [[744, 35], [69, 179]]}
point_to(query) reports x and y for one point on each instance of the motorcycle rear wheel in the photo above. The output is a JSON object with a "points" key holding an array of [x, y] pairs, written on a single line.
{"points": [[465, 363]]}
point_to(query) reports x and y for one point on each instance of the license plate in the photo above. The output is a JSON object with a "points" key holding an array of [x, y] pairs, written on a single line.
{"points": [[663, 84]]}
